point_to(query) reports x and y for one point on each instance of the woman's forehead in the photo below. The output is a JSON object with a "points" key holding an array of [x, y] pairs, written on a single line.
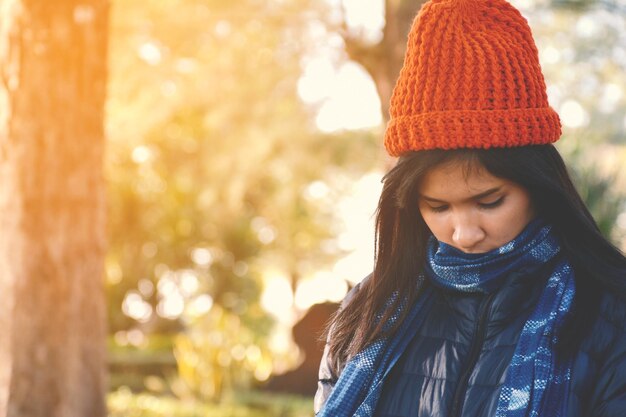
{"points": [[458, 177]]}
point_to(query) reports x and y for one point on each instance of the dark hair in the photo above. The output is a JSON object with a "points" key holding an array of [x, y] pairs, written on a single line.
{"points": [[401, 237]]}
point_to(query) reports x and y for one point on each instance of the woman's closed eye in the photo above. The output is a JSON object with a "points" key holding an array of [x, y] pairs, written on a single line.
{"points": [[438, 209], [483, 205], [491, 204]]}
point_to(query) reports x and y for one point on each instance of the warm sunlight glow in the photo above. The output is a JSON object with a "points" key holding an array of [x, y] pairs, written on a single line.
{"points": [[150, 53], [573, 114], [324, 286], [133, 337], [199, 305], [141, 154], [171, 287], [357, 210], [135, 307], [315, 84], [353, 102], [366, 17], [610, 99], [172, 306], [345, 97], [265, 232], [202, 256], [277, 297]]}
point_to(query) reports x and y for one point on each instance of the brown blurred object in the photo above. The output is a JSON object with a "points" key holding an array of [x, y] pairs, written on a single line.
{"points": [[307, 334], [383, 59]]}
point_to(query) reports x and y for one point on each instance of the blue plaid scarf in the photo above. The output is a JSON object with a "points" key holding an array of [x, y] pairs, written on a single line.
{"points": [[537, 385]]}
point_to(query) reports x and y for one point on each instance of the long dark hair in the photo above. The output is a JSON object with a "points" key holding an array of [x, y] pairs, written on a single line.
{"points": [[401, 237]]}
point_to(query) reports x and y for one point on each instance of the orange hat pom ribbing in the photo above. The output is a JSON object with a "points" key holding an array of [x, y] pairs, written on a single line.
{"points": [[471, 79]]}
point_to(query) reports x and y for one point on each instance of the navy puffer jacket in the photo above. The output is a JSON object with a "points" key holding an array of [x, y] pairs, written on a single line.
{"points": [[458, 359]]}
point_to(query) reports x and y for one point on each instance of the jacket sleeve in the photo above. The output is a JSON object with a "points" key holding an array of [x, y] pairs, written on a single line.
{"points": [[609, 390], [611, 386], [326, 378]]}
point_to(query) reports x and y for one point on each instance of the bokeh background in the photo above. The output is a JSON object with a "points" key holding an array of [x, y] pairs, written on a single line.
{"points": [[243, 164]]}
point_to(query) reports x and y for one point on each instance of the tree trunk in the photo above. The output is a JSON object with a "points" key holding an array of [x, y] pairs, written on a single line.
{"points": [[52, 240], [384, 60]]}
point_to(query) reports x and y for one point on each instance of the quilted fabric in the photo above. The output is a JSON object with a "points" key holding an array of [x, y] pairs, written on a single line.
{"points": [[423, 382], [535, 385]]}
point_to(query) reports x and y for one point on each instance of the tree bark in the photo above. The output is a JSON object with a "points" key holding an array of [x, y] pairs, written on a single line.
{"points": [[52, 239], [384, 59]]}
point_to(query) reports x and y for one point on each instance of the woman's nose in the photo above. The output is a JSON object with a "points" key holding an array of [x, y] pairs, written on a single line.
{"points": [[467, 235]]}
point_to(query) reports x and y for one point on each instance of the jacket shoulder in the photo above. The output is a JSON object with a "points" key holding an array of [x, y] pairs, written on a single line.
{"points": [[326, 378], [350, 295], [603, 359], [608, 333], [613, 310]]}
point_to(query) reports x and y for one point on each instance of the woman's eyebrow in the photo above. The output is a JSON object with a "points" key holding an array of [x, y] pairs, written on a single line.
{"points": [[473, 197]]}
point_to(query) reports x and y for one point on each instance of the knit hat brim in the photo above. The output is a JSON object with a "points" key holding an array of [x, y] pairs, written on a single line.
{"points": [[472, 129]]}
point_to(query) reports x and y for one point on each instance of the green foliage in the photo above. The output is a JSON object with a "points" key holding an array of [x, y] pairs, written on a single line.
{"points": [[123, 403], [218, 353], [581, 5], [149, 366], [583, 58], [211, 148], [210, 156], [604, 201]]}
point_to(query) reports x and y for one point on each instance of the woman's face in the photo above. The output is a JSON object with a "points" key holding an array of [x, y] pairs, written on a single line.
{"points": [[472, 210]]}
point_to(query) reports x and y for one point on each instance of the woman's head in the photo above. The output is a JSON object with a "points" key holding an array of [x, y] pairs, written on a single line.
{"points": [[476, 161], [480, 113], [467, 207], [477, 199], [534, 175]]}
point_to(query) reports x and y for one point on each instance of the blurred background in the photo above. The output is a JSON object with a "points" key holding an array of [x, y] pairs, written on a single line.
{"points": [[244, 165], [243, 162]]}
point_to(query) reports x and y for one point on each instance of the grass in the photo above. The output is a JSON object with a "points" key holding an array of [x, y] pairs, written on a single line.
{"points": [[124, 403]]}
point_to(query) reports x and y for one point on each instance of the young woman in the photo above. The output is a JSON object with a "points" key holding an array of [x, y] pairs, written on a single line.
{"points": [[493, 292]]}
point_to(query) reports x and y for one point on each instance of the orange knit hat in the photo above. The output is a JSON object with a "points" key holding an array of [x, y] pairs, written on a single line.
{"points": [[471, 79]]}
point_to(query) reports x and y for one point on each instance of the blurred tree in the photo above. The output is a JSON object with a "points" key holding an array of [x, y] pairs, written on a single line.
{"points": [[586, 33], [613, 5], [583, 54], [211, 164], [218, 353], [383, 59], [218, 176], [52, 311]]}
